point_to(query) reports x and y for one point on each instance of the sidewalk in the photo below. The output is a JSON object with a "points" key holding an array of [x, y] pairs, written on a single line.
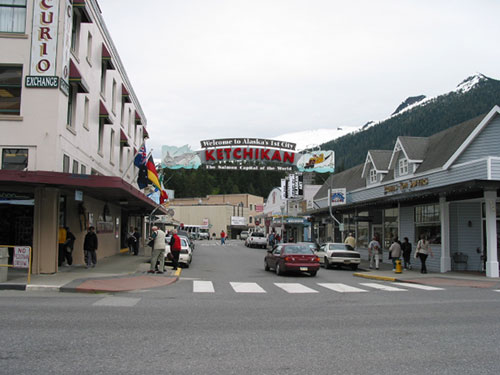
{"points": [[117, 273], [463, 278]]}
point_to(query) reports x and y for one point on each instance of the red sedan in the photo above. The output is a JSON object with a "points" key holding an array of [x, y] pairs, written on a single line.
{"points": [[291, 257]]}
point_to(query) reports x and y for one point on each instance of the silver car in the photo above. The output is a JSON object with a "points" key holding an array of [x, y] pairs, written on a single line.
{"points": [[338, 254]]}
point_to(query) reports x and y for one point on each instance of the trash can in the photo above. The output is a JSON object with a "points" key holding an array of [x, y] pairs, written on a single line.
{"points": [[4, 260], [399, 268]]}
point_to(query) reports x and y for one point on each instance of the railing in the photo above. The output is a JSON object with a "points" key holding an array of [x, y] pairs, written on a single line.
{"points": [[22, 258]]}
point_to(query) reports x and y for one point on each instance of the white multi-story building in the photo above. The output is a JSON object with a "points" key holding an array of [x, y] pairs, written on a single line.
{"points": [[70, 126]]}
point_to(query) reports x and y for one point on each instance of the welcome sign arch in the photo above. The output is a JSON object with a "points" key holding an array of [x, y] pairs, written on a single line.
{"points": [[251, 154]]}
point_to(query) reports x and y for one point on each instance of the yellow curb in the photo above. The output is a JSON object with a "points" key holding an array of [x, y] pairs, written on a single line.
{"points": [[178, 272], [374, 277], [125, 250]]}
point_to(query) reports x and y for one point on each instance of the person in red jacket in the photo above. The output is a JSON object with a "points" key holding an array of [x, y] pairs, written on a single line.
{"points": [[175, 249]]}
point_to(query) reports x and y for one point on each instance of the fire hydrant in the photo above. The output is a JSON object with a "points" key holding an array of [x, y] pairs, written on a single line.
{"points": [[399, 267]]}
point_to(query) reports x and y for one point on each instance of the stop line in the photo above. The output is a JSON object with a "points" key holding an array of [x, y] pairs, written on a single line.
{"points": [[200, 286]]}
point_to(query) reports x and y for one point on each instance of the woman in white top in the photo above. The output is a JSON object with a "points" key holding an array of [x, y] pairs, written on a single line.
{"points": [[423, 250]]}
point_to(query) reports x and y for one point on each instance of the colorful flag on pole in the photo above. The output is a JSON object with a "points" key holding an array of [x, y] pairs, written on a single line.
{"points": [[140, 157]]}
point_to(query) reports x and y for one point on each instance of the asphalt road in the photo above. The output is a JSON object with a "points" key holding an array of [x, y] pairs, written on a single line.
{"points": [[203, 324]]}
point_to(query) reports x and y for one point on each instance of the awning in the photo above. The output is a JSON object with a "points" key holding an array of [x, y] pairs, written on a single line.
{"points": [[104, 114], [111, 189], [106, 58], [123, 139], [138, 120], [76, 79], [125, 94], [144, 133], [84, 13]]}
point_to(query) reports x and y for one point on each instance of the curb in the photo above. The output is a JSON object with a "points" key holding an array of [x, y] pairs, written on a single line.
{"points": [[375, 277], [12, 286]]}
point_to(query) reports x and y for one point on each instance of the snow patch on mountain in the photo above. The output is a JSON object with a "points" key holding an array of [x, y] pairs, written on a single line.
{"points": [[313, 138]]}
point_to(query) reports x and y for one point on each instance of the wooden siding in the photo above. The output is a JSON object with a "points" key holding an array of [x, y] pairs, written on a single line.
{"points": [[407, 225], [495, 169], [485, 144], [465, 238]]}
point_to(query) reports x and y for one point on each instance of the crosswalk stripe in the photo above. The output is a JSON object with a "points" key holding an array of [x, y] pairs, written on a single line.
{"points": [[203, 287], [386, 288], [497, 290], [247, 287], [342, 288], [117, 301], [295, 288], [418, 286]]}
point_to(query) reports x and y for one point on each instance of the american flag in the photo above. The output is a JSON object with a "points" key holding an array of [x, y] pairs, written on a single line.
{"points": [[140, 157]]}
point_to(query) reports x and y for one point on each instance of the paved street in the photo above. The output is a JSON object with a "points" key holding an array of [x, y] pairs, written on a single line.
{"points": [[226, 315]]}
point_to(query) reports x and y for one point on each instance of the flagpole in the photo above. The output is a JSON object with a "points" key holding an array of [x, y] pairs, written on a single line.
{"points": [[132, 162]]}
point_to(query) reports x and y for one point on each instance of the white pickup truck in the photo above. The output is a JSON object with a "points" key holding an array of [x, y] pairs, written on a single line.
{"points": [[256, 239]]}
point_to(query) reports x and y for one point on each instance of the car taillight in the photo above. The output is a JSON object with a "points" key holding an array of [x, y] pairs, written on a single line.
{"points": [[288, 259], [316, 259]]}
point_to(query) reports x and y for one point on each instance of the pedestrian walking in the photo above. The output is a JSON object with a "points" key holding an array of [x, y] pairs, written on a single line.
{"points": [[131, 241], [69, 244], [422, 251], [350, 241], [61, 246], [222, 237], [137, 237], [175, 249], [406, 247], [271, 239], [374, 252], [395, 251], [90, 245], [158, 253]]}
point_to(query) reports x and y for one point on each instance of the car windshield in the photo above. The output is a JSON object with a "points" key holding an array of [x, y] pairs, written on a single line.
{"points": [[257, 234], [338, 246], [295, 249]]}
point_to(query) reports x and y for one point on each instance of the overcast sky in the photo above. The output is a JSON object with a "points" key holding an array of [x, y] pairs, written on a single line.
{"points": [[205, 69]]}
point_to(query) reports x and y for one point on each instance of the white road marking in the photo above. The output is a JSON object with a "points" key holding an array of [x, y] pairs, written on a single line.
{"points": [[342, 288], [418, 286], [497, 290], [117, 301], [295, 288], [386, 288], [203, 287], [247, 287]]}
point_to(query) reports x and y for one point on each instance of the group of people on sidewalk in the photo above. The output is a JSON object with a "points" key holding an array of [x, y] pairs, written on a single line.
{"points": [[66, 241], [396, 250], [157, 243]]}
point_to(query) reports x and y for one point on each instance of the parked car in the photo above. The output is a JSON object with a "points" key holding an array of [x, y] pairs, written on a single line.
{"points": [[338, 254], [312, 245], [291, 257], [244, 235], [204, 235], [257, 239], [186, 255]]}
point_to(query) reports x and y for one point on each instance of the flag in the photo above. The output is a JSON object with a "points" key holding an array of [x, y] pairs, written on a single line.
{"points": [[153, 174], [142, 177], [163, 196], [140, 157]]}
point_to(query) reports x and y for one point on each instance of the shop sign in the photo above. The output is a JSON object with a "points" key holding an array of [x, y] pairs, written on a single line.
{"points": [[238, 220], [49, 82], [44, 38], [294, 220], [21, 257], [406, 185], [7, 196], [64, 87], [338, 196]]}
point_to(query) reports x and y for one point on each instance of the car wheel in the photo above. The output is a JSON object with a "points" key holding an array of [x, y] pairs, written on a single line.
{"points": [[278, 270], [327, 263], [354, 267], [186, 265], [266, 266], [313, 273]]}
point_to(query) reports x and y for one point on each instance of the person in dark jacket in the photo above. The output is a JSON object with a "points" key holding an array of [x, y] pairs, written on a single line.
{"points": [[137, 236], [68, 246], [406, 247], [90, 247]]}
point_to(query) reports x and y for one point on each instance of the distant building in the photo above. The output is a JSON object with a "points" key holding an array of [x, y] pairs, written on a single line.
{"points": [[71, 124]]}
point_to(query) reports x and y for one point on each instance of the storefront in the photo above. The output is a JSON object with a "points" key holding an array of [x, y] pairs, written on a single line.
{"points": [[444, 187]]}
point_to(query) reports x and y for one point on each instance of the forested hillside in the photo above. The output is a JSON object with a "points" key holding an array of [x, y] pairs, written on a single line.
{"points": [[435, 115]]}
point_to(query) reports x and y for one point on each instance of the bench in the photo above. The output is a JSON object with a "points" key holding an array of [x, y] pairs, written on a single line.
{"points": [[459, 258]]}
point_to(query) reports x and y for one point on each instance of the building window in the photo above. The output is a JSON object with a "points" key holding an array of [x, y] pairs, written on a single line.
{"points": [[373, 176], [428, 223], [113, 98], [103, 79], [86, 108], [65, 164], [71, 106], [75, 31], [75, 167], [250, 218], [121, 158], [130, 121], [15, 159], [83, 169], [12, 16], [112, 147], [251, 207], [100, 138], [390, 226], [403, 167], [89, 48], [11, 81], [122, 116]]}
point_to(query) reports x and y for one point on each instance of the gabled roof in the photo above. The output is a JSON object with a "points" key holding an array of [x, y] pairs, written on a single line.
{"points": [[350, 179], [414, 147], [380, 160]]}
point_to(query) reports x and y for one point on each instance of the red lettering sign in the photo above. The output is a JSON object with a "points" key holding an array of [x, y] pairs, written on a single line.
{"points": [[209, 155]]}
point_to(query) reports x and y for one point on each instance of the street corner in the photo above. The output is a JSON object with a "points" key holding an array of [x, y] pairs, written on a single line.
{"points": [[123, 284]]}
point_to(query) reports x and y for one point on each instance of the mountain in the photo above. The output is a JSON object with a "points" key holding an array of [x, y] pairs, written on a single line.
{"points": [[417, 116]]}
